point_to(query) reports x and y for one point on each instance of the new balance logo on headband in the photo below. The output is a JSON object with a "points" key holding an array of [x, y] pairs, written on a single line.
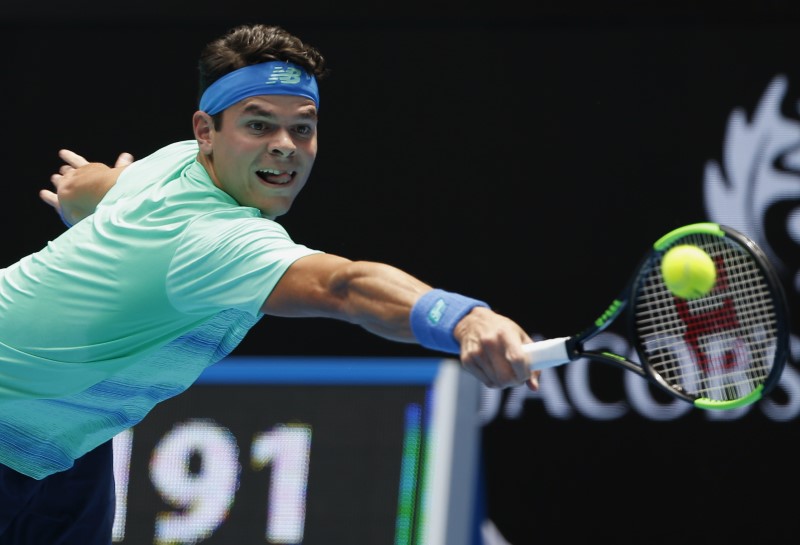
{"points": [[286, 75]]}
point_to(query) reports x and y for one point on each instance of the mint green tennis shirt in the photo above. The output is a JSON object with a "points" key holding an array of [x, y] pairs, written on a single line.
{"points": [[127, 308]]}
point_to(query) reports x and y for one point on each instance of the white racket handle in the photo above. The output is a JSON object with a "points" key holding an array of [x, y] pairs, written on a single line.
{"points": [[547, 353]]}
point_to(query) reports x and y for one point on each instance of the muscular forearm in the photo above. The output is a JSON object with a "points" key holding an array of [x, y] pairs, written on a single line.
{"points": [[379, 298], [375, 296]]}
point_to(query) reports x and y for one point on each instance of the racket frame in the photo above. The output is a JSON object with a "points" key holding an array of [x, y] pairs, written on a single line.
{"points": [[558, 351]]}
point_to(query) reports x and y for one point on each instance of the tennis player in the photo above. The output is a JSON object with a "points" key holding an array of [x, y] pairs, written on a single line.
{"points": [[168, 262]]}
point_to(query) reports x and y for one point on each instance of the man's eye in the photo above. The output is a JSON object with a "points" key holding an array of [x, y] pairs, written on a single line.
{"points": [[258, 125], [304, 130]]}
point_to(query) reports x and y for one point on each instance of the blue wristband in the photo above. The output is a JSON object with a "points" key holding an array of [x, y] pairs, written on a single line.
{"points": [[435, 315]]}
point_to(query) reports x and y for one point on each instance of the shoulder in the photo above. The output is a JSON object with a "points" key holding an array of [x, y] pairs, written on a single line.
{"points": [[234, 223], [170, 157], [237, 235], [164, 164], [183, 148]]}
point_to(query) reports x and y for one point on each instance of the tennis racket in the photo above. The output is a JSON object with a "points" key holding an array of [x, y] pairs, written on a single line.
{"points": [[723, 350]]}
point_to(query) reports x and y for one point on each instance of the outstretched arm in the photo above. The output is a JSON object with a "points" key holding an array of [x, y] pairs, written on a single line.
{"points": [[81, 185], [380, 298]]}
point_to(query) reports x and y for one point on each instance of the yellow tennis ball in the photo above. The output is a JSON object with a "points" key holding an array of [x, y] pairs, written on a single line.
{"points": [[688, 271]]}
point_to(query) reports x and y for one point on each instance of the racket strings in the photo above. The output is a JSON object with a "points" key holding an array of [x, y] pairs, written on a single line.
{"points": [[721, 346]]}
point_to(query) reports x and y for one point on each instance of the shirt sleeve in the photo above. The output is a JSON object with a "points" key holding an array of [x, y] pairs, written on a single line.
{"points": [[224, 262]]}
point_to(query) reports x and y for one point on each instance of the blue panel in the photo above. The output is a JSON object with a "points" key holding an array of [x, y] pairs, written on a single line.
{"points": [[301, 370]]}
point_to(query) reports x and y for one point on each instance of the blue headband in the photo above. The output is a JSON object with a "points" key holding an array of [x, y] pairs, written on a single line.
{"points": [[269, 78]]}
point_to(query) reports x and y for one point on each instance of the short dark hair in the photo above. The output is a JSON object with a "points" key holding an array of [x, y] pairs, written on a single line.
{"points": [[253, 44]]}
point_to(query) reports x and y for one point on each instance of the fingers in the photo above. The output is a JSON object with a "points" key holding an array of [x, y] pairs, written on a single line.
{"points": [[74, 161], [499, 366], [49, 197], [64, 169], [71, 158], [124, 159], [492, 349], [479, 374], [56, 179]]}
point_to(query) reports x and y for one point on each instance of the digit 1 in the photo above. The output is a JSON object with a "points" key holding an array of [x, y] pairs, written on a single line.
{"points": [[288, 447]]}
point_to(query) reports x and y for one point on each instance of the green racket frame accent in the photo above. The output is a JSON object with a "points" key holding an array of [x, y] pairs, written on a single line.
{"points": [[752, 397], [611, 312], [694, 228]]}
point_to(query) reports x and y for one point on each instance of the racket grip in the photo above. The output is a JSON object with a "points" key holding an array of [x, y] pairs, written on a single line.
{"points": [[547, 353]]}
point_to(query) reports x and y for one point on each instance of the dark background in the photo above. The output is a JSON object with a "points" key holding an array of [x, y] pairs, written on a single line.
{"points": [[524, 155]]}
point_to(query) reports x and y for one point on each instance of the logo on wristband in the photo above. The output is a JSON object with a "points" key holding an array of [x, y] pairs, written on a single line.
{"points": [[437, 311]]}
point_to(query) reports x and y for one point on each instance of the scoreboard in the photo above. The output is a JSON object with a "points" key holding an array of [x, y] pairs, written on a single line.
{"points": [[318, 451]]}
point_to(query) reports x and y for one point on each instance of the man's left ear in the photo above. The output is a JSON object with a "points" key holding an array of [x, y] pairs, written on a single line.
{"points": [[203, 126]]}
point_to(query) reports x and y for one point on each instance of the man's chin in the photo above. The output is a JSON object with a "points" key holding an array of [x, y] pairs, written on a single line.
{"points": [[273, 212]]}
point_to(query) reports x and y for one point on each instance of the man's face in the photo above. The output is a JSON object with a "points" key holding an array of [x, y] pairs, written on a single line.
{"points": [[263, 153]]}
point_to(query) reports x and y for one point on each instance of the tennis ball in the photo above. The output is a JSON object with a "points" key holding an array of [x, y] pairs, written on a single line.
{"points": [[688, 271]]}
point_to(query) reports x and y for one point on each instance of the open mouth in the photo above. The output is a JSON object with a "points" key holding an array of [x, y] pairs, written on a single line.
{"points": [[275, 176]]}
